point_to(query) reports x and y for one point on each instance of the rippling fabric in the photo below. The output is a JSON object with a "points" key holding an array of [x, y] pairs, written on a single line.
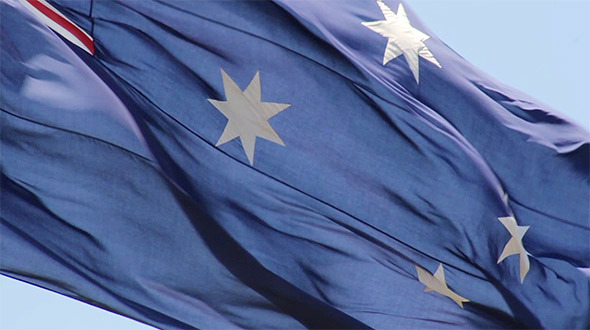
{"points": [[115, 190]]}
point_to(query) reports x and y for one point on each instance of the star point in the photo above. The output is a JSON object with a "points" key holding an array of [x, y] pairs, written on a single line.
{"points": [[436, 282], [515, 246], [402, 38], [247, 115]]}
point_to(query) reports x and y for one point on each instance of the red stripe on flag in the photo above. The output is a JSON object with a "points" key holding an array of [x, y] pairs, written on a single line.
{"points": [[73, 29]]}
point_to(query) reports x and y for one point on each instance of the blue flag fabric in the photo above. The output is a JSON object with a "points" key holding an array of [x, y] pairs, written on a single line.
{"points": [[281, 165]]}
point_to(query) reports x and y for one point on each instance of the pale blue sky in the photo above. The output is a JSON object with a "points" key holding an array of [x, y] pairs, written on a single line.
{"points": [[538, 46]]}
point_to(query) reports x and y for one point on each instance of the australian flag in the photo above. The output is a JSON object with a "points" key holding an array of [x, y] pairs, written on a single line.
{"points": [[286, 164]]}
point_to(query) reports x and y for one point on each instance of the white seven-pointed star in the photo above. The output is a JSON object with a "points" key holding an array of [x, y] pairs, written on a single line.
{"points": [[514, 245], [247, 115], [437, 283], [402, 38]]}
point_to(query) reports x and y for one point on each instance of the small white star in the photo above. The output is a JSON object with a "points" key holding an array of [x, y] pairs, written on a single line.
{"points": [[514, 245], [402, 38], [438, 283], [247, 115]]}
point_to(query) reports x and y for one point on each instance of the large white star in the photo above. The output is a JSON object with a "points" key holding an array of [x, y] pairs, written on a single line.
{"points": [[514, 245], [247, 115], [438, 283], [402, 38]]}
